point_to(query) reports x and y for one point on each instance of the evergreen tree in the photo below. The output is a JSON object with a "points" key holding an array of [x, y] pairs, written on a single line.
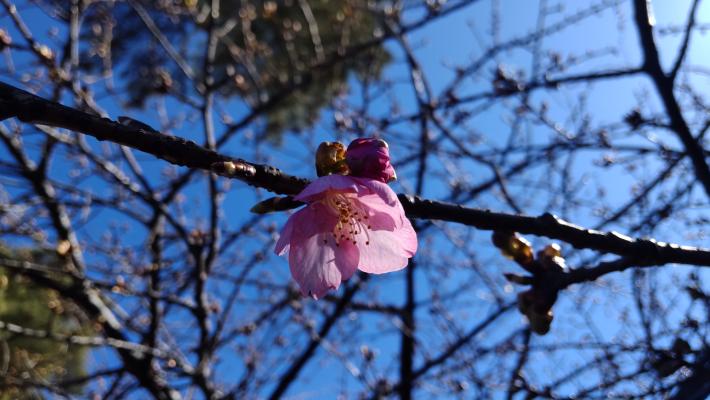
{"points": [[26, 361]]}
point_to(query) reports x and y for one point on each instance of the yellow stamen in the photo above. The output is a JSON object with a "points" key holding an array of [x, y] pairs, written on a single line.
{"points": [[350, 217]]}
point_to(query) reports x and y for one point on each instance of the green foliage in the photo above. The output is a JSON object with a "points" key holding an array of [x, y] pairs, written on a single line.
{"points": [[266, 49], [29, 305], [284, 40]]}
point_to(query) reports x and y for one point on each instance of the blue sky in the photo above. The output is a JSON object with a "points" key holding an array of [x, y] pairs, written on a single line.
{"points": [[449, 42]]}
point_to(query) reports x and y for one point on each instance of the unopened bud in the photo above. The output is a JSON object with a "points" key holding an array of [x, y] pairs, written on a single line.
{"points": [[552, 250], [45, 52], [270, 8], [540, 323], [330, 159], [367, 354], [370, 158], [513, 247], [5, 39], [63, 247], [230, 169], [551, 258]]}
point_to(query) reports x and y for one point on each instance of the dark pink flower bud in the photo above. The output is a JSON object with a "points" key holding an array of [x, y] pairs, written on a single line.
{"points": [[370, 158]]}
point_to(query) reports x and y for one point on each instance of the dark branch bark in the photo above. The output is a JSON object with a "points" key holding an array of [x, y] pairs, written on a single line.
{"points": [[34, 109], [179, 151], [553, 227], [664, 86], [697, 386]]}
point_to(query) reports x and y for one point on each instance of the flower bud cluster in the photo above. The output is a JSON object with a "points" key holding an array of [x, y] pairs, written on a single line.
{"points": [[364, 158], [546, 268]]}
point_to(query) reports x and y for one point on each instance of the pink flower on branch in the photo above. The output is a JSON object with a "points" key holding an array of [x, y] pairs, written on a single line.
{"points": [[348, 224], [370, 158]]}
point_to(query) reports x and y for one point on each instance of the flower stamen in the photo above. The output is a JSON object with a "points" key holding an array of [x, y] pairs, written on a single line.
{"points": [[350, 216]]}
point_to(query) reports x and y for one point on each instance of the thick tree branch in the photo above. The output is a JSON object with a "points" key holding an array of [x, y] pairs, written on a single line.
{"points": [[664, 86], [31, 108], [553, 227], [34, 109]]}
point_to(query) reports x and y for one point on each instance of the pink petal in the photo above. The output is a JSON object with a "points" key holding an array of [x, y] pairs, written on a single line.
{"points": [[313, 219], [383, 212], [388, 251], [346, 259], [382, 254], [318, 265], [317, 189], [408, 238], [380, 214], [282, 245], [306, 222], [383, 190]]}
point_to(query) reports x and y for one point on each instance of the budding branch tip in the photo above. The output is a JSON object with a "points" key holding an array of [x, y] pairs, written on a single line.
{"points": [[233, 169]]}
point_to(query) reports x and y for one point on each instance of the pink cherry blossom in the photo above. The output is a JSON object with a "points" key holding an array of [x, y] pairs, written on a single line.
{"points": [[370, 158], [349, 223]]}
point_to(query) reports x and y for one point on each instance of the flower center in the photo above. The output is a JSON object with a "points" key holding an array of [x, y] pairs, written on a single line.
{"points": [[352, 218]]}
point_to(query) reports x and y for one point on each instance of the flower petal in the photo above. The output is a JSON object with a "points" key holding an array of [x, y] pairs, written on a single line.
{"points": [[317, 189], [380, 214], [388, 251], [306, 222], [408, 238], [381, 189], [283, 244], [315, 218], [318, 265], [346, 259]]}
